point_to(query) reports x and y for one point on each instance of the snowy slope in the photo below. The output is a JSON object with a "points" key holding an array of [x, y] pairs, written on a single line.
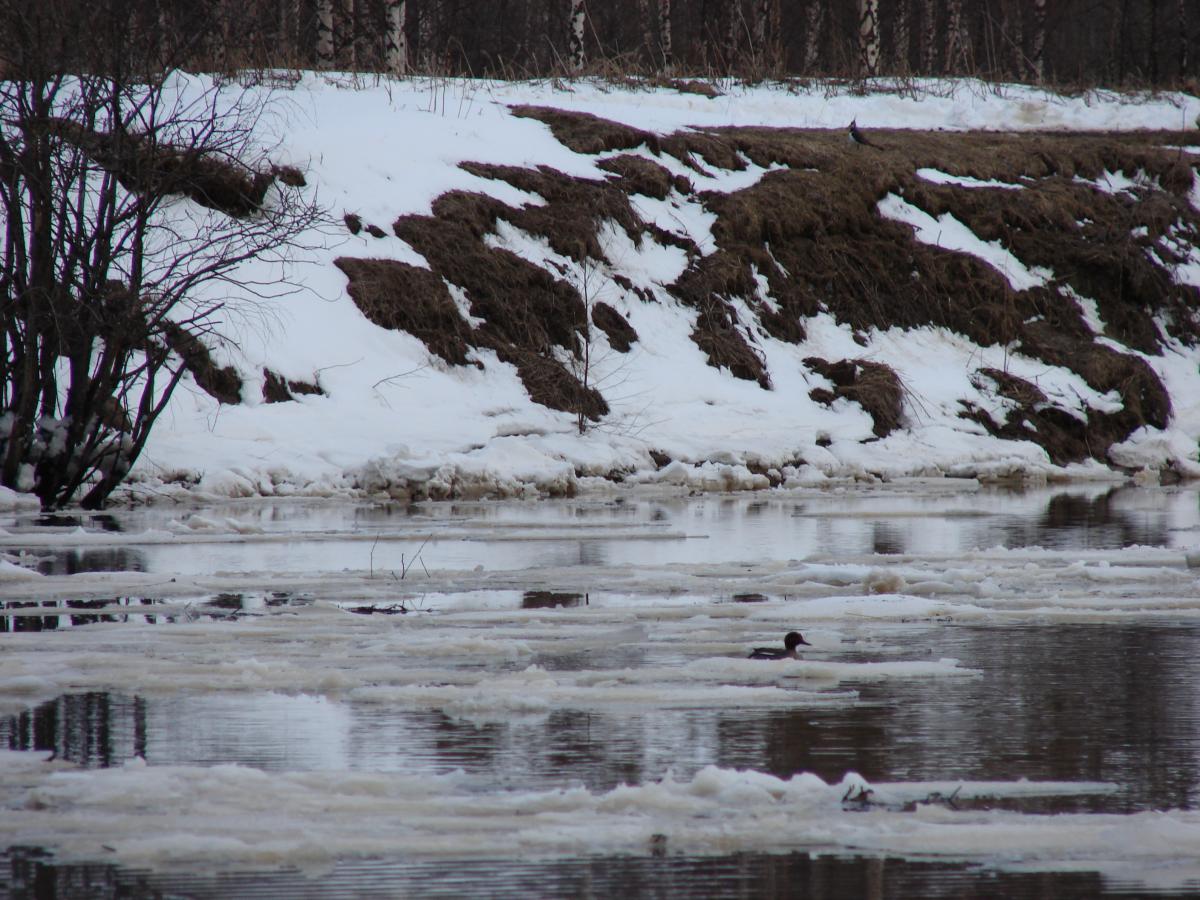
{"points": [[396, 418]]}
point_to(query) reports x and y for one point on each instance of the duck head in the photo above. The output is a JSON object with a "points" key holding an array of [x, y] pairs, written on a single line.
{"points": [[794, 639]]}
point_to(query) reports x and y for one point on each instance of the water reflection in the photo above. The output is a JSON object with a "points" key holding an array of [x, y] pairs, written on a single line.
{"points": [[92, 521], [551, 600], [1092, 703], [25, 873], [16, 615], [92, 729], [72, 561], [1109, 703], [628, 531]]}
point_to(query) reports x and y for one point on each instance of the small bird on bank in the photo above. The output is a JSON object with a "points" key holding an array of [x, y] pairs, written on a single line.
{"points": [[791, 641], [858, 138]]}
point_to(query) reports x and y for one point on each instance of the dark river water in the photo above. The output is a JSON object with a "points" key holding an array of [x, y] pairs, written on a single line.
{"points": [[1110, 702]]}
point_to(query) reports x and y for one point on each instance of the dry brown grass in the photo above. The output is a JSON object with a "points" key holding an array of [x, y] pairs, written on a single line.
{"points": [[621, 335], [813, 231], [221, 383], [277, 389], [873, 386], [396, 295]]}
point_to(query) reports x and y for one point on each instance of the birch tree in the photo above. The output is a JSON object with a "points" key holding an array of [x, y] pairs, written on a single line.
{"points": [[766, 32], [397, 37], [575, 35], [957, 43], [929, 37], [220, 37], [733, 25], [868, 37], [289, 22], [347, 37], [812, 35], [664, 33], [324, 34], [646, 23], [902, 35], [1037, 47]]}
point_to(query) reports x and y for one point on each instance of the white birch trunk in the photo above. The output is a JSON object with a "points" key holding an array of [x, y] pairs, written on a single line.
{"points": [[324, 34], [868, 37], [1037, 48], [397, 37], [575, 44], [812, 35], [664, 32]]}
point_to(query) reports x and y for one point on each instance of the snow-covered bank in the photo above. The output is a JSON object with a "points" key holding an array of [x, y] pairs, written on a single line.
{"points": [[395, 418]]}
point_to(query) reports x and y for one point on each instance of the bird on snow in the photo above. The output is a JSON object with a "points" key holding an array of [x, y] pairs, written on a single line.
{"points": [[858, 138], [791, 641]]}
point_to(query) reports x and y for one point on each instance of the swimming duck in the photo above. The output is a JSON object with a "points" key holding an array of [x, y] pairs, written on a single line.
{"points": [[791, 641]]}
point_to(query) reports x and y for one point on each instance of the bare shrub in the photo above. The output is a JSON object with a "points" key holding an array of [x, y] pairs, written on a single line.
{"points": [[130, 193]]}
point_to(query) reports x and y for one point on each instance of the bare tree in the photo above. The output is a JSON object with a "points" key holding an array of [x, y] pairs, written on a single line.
{"points": [[1184, 37], [902, 35], [812, 35], [347, 36], [767, 18], [426, 35], [324, 34], [762, 20], [289, 28], [664, 33], [397, 37], [575, 35], [646, 22], [1037, 48], [929, 39], [957, 42], [868, 36], [733, 27], [1012, 28], [128, 198], [220, 37]]}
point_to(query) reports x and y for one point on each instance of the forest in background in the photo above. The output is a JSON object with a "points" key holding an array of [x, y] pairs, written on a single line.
{"points": [[1067, 43]]}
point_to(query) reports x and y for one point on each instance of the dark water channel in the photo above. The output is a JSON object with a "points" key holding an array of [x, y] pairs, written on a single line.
{"points": [[743, 876]]}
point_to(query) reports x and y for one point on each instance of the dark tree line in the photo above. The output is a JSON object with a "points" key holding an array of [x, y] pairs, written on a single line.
{"points": [[1073, 42]]}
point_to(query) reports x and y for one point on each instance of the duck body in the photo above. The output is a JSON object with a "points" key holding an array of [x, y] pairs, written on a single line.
{"points": [[791, 641]]}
